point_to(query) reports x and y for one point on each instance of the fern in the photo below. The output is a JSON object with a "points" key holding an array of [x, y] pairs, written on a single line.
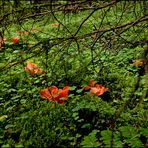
{"points": [[90, 140], [106, 137], [131, 136]]}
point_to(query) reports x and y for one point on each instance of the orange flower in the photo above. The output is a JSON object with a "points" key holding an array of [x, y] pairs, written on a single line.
{"points": [[15, 40], [91, 84], [96, 89], [139, 62], [32, 69], [53, 94], [45, 94]]}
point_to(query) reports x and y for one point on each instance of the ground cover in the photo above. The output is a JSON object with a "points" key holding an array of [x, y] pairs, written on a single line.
{"points": [[70, 80]]}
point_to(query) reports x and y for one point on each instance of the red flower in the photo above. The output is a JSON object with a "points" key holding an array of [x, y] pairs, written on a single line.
{"points": [[96, 89], [15, 40], [53, 94], [91, 84], [32, 69]]}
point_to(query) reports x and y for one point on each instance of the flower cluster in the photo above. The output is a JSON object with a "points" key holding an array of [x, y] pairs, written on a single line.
{"points": [[60, 96], [54, 94], [139, 62], [96, 89], [32, 69]]}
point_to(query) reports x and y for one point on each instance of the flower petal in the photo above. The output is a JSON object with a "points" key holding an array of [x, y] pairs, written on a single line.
{"points": [[86, 87], [53, 94], [64, 93], [32, 69], [98, 90], [15, 40], [139, 62], [45, 94], [94, 90], [31, 65], [53, 91], [91, 83]]}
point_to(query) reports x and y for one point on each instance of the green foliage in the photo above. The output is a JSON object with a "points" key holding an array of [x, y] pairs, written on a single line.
{"points": [[130, 136], [111, 138], [106, 137], [84, 120], [90, 140], [125, 136]]}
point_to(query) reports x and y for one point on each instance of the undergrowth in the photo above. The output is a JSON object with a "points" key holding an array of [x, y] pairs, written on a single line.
{"points": [[84, 120]]}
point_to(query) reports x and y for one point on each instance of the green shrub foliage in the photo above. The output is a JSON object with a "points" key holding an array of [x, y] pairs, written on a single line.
{"points": [[71, 43]]}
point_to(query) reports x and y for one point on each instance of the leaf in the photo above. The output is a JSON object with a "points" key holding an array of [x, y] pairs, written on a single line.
{"points": [[16, 51], [131, 136], [71, 95], [88, 126], [73, 87], [90, 140], [144, 131], [4, 117], [116, 141], [6, 146], [106, 137], [62, 98], [75, 115], [9, 126], [18, 146], [79, 90], [128, 131], [135, 143], [23, 101]]}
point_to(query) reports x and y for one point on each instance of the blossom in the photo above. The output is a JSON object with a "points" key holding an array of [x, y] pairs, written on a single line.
{"points": [[139, 62], [54, 94], [96, 89], [32, 69], [15, 40]]}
